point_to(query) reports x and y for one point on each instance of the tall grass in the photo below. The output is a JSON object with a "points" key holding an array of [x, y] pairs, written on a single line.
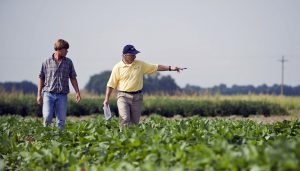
{"points": [[288, 102], [20, 104]]}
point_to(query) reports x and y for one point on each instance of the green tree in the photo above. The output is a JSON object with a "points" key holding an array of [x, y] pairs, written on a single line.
{"points": [[157, 83], [25, 87], [152, 83], [167, 84], [97, 83]]}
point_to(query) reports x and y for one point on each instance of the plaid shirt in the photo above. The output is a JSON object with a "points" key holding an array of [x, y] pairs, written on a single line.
{"points": [[56, 76]]}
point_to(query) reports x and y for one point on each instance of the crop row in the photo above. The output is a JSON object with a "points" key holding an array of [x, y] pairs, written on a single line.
{"points": [[26, 105]]}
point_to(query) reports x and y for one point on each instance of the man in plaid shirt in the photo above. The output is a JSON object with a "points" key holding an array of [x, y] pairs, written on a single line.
{"points": [[53, 86]]}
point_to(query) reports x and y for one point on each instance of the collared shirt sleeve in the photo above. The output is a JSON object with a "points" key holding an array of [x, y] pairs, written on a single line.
{"points": [[42, 72], [149, 68], [114, 78], [72, 72]]}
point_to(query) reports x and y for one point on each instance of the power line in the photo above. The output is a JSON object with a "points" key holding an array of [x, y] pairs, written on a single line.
{"points": [[282, 74]]}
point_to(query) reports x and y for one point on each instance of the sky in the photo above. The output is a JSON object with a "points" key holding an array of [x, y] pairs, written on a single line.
{"points": [[234, 42]]}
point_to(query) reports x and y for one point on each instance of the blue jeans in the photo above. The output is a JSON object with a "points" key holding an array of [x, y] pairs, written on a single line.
{"points": [[58, 103]]}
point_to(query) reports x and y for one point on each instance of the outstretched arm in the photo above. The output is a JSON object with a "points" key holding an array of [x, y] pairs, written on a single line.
{"points": [[168, 68]]}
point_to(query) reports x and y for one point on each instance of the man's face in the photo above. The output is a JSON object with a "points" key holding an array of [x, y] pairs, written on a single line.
{"points": [[63, 52], [129, 58]]}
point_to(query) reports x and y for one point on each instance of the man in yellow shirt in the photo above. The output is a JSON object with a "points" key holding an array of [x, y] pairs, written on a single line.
{"points": [[127, 77]]}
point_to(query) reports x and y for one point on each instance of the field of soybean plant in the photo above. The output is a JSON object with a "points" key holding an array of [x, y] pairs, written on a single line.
{"points": [[191, 142], [156, 144]]}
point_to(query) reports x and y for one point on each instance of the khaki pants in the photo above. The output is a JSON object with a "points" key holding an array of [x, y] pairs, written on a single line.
{"points": [[130, 108]]}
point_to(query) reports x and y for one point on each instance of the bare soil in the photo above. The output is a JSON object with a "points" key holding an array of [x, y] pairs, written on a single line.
{"points": [[258, 118], [263, 119], [295, 115]]}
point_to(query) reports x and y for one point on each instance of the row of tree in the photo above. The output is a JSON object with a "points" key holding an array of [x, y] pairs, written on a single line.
{"points": [[158, 84], [25, 87], [153, 84], [247, 89]]}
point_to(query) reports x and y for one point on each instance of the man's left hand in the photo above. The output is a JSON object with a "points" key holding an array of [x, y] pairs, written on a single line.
{"points": [[78, 98]]}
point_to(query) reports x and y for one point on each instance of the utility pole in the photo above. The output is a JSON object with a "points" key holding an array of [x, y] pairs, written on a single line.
{"points": [[282, 74]]}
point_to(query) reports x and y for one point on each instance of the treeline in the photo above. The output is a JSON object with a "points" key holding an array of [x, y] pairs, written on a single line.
{"points": [[243, 90], [25, 87], [153, 84], [159, 84]]}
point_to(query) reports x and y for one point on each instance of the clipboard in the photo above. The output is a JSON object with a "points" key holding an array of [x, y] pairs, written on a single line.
{"points": [[107, 112]]}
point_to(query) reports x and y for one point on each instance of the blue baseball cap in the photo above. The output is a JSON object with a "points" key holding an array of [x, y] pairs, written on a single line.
{"points": [[130, 49]]}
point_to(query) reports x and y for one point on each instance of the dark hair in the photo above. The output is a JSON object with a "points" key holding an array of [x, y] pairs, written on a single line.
{"points": [[61, 44]]}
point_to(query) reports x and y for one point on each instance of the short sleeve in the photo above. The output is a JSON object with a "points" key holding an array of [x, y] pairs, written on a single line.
{"points": [[114, 78], [42, 72], [72, 72]]}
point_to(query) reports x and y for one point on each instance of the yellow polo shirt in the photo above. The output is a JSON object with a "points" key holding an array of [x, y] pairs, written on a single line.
{"points": [[130, 78]]}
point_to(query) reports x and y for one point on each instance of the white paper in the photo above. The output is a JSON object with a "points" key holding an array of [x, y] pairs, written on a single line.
{"points": [[107, 113]]}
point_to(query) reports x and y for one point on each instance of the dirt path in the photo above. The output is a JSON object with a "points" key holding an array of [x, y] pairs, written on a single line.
{"points": [[263, 119], [258, 118]]}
